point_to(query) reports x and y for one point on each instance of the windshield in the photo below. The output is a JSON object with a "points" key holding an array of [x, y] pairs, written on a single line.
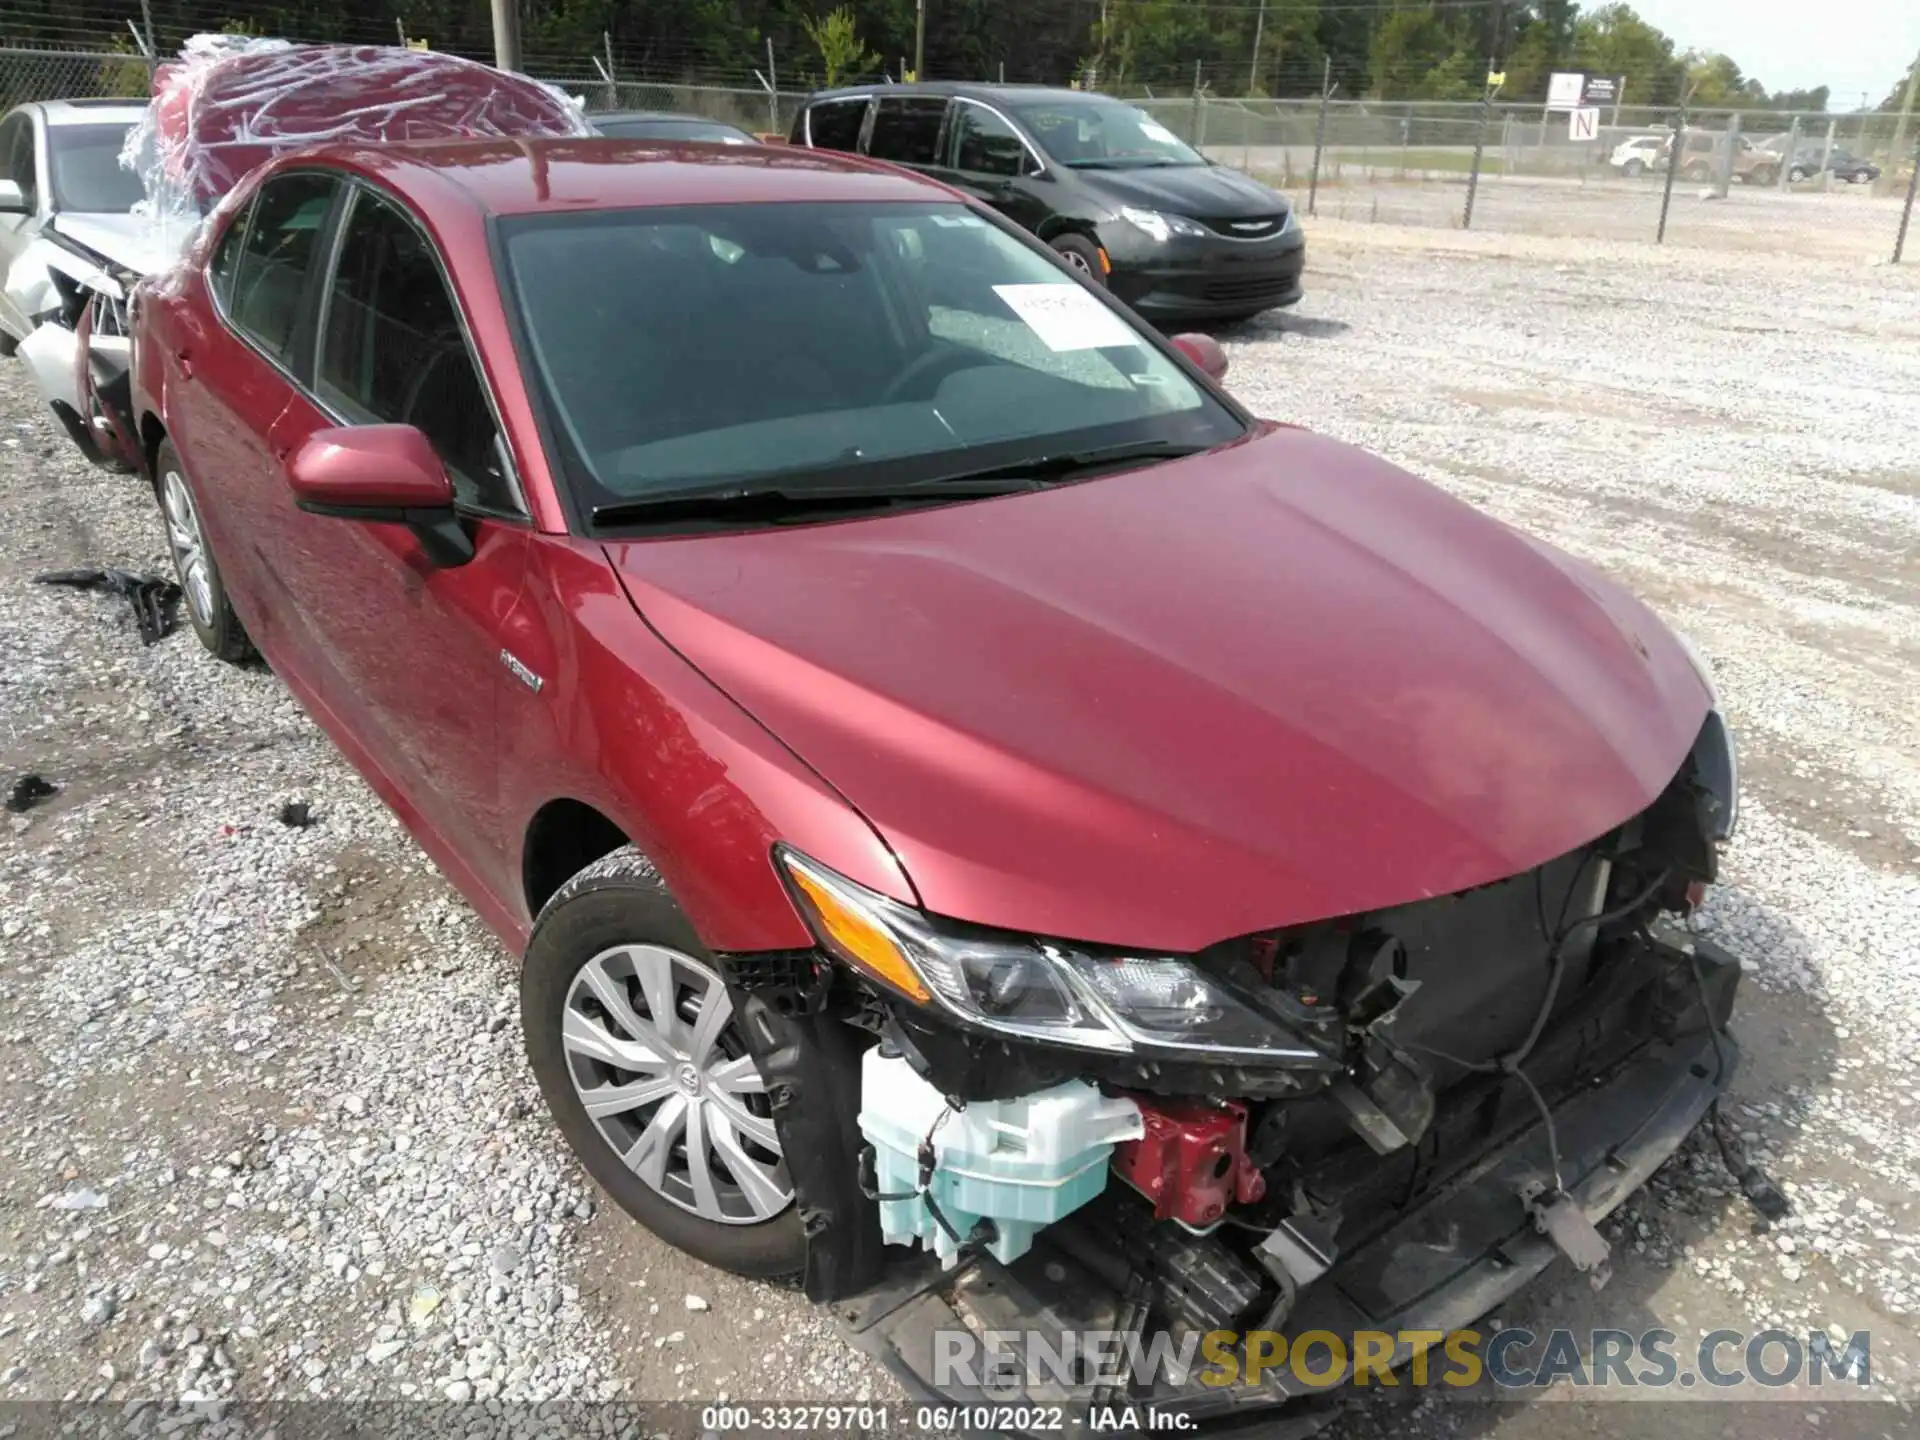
{"points": [[666, 129], [87, 173], [1099, 133], [691, 349]]}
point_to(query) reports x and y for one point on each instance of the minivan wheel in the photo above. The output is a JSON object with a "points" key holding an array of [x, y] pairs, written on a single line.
{"points": [[1082, 254], [633, 1035], [208, 609], [1632, 169]]}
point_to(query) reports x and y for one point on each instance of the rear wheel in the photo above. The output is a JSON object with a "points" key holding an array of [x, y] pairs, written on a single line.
{"points": [[1695, 171], [1861, 177], [633, 1034], [1798, 173], [1765, 175], [1082, 254], [208, 609], [1632, 169]]}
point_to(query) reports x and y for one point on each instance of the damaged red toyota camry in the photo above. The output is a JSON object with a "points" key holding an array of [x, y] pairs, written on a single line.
{"points": [[992, 826]]}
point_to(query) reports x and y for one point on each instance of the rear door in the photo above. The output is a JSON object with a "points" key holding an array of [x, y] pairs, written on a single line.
{"points": [[228, 383], [907, 130], [16, 227]]}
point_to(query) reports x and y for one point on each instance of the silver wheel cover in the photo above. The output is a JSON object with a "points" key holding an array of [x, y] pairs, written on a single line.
{"points": [[655, 1055], [189, 546]]}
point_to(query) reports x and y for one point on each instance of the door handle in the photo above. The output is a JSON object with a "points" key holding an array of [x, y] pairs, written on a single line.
{"points": [[184, 359]]}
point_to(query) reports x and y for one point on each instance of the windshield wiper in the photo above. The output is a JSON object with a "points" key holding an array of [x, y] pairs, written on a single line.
{"points": [[752, 504], [1043, 468]]}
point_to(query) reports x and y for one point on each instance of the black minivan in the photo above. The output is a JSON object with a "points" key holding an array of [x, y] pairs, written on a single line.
{"points": [[1115, 192]]}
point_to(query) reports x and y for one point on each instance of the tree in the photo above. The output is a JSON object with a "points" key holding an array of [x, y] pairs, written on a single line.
{"points": [[836, 36], [1614, 40]]}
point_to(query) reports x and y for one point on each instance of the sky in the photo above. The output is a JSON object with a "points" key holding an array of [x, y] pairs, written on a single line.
{"points": [[1850, 45]]}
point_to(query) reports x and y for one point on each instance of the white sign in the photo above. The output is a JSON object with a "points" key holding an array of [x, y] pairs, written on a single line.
{"points": [[1565, 89], [1583, 124], [1065, 317]]}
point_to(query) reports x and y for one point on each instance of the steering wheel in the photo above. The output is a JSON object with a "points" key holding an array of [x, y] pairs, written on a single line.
{"points": [[939, 363]]}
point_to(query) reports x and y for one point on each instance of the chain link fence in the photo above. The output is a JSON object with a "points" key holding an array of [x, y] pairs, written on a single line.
{"points": [[1813, 184]]}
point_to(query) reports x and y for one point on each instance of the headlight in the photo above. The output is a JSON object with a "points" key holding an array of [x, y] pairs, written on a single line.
{"points": [[1039, 990], [1158, 227]]}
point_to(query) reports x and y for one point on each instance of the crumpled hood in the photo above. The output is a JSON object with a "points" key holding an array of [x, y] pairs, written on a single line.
{"points": [[1279, 682], [1207, 190], [143, 246]]}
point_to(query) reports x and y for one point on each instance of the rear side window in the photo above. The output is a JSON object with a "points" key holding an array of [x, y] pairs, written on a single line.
{"points": [[392, 351], [280, 248], [835, 124], [906, 129]]}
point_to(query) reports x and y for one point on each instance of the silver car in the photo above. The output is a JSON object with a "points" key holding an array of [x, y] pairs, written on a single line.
{"points": [[61, 177]]}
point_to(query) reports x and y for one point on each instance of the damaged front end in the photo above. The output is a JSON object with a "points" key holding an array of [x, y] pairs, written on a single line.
{"points": [[1380, 1122], [80, 351]]}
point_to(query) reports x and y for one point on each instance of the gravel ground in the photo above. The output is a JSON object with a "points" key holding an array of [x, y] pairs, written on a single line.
{"points": [[265, 1129]]}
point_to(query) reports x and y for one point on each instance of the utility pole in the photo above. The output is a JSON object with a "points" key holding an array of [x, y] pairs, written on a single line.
{"points": [[1259, 29], [506, 34], [1486, 110], [920, 39]]}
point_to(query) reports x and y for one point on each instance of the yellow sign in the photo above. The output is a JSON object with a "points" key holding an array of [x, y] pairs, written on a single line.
{"points": [[1496, 78]]}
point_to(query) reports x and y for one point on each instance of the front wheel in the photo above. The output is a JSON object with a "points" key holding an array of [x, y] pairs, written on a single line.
{"points": [[1632, 169], [1862, 178], [1797, 173], [1695, 172], [632, 1033], [1082, 255]]}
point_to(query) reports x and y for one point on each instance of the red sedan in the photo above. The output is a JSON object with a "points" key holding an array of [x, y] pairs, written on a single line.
{"points": [[806, 621]]}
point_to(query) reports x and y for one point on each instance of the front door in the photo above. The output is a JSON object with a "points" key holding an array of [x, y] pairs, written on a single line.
{"points": [[987, 158], [17, 227], [411, 651]]}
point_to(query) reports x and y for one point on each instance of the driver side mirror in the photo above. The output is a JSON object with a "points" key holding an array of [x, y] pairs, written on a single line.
{"points": [[388, 474], [1204, 351], [13, 200]]}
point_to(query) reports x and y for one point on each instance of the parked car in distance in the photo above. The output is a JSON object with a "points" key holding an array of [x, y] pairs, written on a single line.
{"points": [[1641, 153], [663, 125], [60, 168], [1117, 194], [863, 669], [1705, 152], [1812, 160]]}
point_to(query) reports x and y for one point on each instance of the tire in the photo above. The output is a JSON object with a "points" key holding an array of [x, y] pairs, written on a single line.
{"points": [[1860, 177], [202, 592], [7, 344], [1798, 173], [1082, 254], [1695, 171], [1765, 175], [1632, 169], [609, 939]]}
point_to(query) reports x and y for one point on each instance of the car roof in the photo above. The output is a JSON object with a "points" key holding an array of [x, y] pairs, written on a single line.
{"points": [[999, 94], [527, 176], [91, 112]]}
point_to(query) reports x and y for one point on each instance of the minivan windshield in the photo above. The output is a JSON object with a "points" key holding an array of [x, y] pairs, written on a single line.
{"points": [[1098, 133], [692, 349], [87, 173]]}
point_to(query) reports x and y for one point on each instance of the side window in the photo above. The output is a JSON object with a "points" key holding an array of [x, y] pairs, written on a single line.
{"points": [[984, 144], [391, 350], [906, 129], [835, 124], [226, 259], [278, 252]]}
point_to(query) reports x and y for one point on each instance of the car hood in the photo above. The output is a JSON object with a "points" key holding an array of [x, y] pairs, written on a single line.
{"points": [[133, 241], [1278, 682], [1209, 190]]}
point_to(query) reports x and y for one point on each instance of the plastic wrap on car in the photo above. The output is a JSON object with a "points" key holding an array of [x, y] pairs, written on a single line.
{"points": [[231, 102]]}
